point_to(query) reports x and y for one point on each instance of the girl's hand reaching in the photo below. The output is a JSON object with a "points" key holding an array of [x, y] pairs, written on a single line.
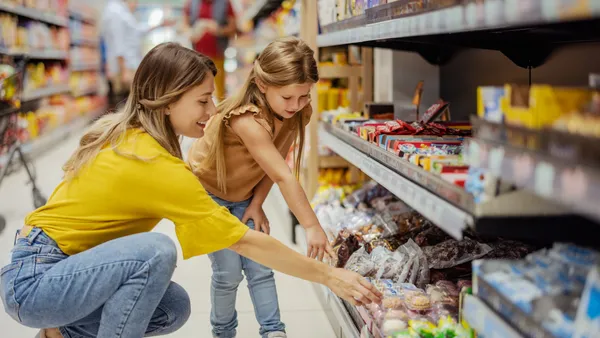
{"points": [[352, 287], [317, 243], [256, 213]]}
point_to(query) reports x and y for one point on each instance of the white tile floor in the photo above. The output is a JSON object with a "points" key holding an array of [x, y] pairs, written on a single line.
{"points": [[300, 308]]}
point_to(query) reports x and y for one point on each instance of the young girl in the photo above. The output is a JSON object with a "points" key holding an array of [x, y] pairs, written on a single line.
{"points": [[238, 161], [87, 265]]}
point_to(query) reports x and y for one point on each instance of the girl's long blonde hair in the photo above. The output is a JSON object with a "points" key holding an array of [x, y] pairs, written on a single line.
{"points": [[283, 62], [164, 75]]}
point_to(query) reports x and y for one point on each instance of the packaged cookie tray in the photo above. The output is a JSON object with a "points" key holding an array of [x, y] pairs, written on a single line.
{"points": [[549, 142]]}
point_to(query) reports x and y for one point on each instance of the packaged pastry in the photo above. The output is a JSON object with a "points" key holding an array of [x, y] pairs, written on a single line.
{"points": [[397, 313], [417, 301], [439, 295], [392, 326], [448, 287], [394, 302]]}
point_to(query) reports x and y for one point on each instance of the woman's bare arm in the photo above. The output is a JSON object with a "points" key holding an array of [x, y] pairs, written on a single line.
{"points": [[272, 253]]}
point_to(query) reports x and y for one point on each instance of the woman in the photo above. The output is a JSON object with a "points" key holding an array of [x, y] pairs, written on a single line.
{"points": [[86, 264]]}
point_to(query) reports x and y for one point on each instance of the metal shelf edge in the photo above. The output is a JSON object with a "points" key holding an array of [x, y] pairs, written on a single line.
{"points": [[34, 14], [461, 18], [45, 92], [341, 314], [566, 183], [485, 320], [42, 55]]}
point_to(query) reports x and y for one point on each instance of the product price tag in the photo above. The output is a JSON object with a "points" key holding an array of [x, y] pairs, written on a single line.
{"points": [[511, 10], [389, 29], [455, 18], [471, 15], [428, 22], [414, 24], [574, 185], [544, 179], [493, 13], [474, 154], [423, 24], [495, 161], [436, 22]]}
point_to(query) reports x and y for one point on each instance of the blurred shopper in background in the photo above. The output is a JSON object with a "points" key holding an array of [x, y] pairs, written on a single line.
{"points": [[122, 35], [212, 24]]}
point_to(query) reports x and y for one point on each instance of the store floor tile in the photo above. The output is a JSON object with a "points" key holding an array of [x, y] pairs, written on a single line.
{"points": [[300, 308]]}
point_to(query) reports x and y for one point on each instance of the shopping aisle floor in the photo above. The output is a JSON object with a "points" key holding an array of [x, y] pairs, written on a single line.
{"points": [[300, 308]]}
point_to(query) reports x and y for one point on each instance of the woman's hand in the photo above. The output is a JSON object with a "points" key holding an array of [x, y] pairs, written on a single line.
{"points": [[352, 287], [317, 243], [256, 213]]}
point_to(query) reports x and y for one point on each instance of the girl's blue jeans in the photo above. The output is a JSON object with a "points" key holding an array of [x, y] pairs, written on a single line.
{"points": [[227, 269]]}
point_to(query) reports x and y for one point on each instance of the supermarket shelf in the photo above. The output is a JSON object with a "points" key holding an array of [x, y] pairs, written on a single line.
{"points": [[45, 92], [8, 111], [339, 71], [39, 55], [85, 92], [51, 138], [341, 317], [575, 185], [519, 215], [374, 162], [485, 321], [75, 15], [85, 42], [332, 162], [35, 14], [83, 67], [468, 18]]}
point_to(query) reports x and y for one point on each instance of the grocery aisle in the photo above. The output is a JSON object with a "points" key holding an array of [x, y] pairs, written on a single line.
{"points": [[301, 310]]}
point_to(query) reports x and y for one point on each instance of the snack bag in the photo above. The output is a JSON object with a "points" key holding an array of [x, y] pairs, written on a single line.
{"points": [[360, 262]]}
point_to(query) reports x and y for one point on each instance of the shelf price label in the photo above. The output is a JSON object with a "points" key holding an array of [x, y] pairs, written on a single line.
{"points": [[494, 13], [544, 179], [495, 158], [474, 154]]}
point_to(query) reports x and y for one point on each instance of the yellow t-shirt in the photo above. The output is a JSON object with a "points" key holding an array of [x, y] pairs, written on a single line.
{"points": [[115, 196]]}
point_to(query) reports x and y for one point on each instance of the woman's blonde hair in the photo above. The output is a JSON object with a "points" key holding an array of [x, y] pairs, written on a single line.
{"points": [[283, 62], [164, 75]]}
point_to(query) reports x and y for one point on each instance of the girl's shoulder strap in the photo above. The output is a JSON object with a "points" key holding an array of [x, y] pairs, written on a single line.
{"points": [[249, 109]]}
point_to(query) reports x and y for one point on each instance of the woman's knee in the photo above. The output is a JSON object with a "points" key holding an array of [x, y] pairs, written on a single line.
{"points": [[176, 303], [159, 248]]}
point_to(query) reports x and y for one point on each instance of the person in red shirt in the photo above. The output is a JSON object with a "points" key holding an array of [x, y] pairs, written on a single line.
{"points": [[217, 19]]}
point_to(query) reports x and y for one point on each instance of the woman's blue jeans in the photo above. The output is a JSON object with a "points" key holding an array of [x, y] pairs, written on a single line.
{"points": [[121, 288]]}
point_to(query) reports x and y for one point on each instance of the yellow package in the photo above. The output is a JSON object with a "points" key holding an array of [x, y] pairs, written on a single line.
{"points": [[322, 99], [333, 98], [540, 106], [344, 98]]}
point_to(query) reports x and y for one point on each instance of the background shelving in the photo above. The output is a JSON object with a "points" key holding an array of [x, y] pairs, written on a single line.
{"points": [[42, 15]]}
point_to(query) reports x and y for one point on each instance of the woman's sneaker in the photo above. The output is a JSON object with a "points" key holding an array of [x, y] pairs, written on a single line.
{"points": [[277, 334]]}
